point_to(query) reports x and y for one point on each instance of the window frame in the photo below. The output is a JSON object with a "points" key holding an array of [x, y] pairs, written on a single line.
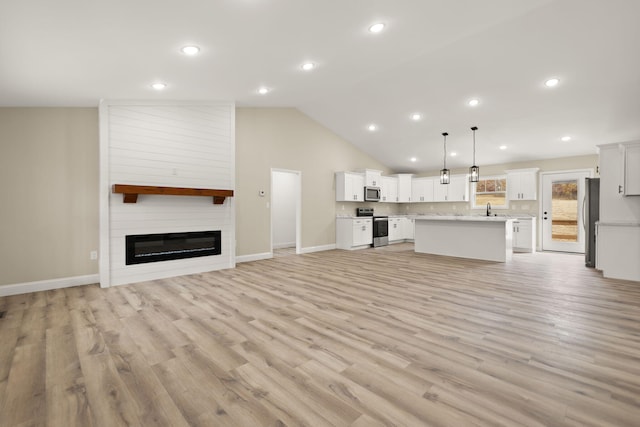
{"points": [[492, 177]]}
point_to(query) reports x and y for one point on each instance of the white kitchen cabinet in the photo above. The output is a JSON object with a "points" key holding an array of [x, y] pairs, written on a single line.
{"points": [[389, 189], [522, 184], [396, 229], [372, 178], [440, 191], [618, 230], [404, 187], [354, 233], [456, 191], [630, 171], [349, 187], [422, 189], [400, 229], [458, 188], [524, 235], [408, 227]]}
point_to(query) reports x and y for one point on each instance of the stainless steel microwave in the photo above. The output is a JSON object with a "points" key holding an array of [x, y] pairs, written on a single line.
{"points": [[371, 194]]}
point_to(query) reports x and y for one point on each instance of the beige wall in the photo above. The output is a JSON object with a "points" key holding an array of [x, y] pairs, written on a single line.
{"points": [[49, 208], [285, 138]]}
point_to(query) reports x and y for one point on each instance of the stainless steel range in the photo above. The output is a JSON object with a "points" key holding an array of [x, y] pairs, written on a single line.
{"points": [[380, 226]]}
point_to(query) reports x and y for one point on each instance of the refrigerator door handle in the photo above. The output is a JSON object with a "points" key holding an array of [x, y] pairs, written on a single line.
{"points": [[584, 213]]}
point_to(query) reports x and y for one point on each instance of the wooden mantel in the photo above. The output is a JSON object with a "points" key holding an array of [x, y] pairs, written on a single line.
{"points": [[130, 192]]}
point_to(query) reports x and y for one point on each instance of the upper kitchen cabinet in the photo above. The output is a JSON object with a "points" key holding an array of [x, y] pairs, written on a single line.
{"points": [[389, 189], [349, 187], [422, 189], [630, 171], [458, 188], [521, 184], [404, 187], [372, 178], [456, 191]]}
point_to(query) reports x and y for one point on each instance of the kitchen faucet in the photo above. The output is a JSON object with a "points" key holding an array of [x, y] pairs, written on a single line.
{"points": [[488, 208]]}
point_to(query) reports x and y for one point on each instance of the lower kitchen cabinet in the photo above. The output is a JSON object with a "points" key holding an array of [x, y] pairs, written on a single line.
{"points": [[409, 226], [354, 233], [396, 230], [400, 229], [524, 235]]}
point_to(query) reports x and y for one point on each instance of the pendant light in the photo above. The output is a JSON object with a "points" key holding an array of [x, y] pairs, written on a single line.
{"points": [[444, 173], [474, 171]]}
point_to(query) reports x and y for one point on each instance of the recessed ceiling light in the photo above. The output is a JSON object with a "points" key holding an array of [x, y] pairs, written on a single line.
{"points": [[566, 138], [190, 50], [503, 147], [413, 159], [416, 116], [159, 85], [263, 90], [474, 102], [376, 28], [308, 66], [372, 127], [552, 82], [453, 154]]}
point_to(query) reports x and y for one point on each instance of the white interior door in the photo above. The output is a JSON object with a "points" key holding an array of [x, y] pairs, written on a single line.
{"points": [[562, 225], [285, 209]]}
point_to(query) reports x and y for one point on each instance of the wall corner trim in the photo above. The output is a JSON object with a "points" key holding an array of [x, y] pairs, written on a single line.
{"points": [[47, 285]]}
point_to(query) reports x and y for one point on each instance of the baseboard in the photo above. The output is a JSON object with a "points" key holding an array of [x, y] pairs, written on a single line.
{"points": [[311, 249], [267, 255], [253, 257], [284, 245], [47, 285]]}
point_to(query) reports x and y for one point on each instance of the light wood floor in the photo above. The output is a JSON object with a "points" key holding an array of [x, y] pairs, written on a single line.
{"points": [[380, 337]]}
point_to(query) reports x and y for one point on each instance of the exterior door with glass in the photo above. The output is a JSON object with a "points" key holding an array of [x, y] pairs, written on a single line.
{"points": [[562, 194]]}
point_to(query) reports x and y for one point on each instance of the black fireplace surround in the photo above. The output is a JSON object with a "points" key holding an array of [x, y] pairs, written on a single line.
{"points": [[143, 248]]}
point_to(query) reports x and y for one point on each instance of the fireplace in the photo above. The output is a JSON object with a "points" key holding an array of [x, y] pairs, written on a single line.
{"points": [[145, 248]]}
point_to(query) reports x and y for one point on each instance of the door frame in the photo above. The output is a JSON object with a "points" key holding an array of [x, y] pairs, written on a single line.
{"points": [[298, 196], [540, 233]]}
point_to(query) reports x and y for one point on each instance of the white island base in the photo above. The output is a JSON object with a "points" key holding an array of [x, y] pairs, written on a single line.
{"points": [[486, 238]]}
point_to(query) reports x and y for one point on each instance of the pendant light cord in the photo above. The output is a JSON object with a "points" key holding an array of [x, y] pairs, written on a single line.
{"points": [[445, 149], [474, 146]]}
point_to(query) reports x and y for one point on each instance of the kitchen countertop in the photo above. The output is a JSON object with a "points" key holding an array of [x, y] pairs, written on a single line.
{"points": [[618, 224], [463, 218], [442, 216]]}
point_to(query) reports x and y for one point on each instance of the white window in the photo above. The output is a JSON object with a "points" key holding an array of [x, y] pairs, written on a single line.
{"points": [[491, 189]]}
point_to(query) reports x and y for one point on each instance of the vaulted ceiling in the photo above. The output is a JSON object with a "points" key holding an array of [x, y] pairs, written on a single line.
{"points": [[431, 58]]}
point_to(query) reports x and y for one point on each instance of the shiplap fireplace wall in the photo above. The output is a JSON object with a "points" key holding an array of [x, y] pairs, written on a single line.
{"points": [[176, 144]]}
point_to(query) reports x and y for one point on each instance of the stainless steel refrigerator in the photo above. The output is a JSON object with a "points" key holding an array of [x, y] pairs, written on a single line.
{"points": [[591, 214]]}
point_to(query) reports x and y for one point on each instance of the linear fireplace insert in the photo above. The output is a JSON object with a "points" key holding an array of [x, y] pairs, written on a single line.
{"points": [[143, 248]]}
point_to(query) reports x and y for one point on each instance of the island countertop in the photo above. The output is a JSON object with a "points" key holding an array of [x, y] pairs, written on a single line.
{"points": [[476, 218]]}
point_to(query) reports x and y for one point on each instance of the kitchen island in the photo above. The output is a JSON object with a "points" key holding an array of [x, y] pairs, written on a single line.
{"points": [[479, 237]]}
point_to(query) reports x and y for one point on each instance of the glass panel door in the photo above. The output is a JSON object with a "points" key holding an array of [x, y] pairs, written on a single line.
{"points": [[564, 211], [562, 195]]}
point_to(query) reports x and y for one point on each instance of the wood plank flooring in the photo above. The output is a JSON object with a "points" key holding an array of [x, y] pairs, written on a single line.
{"points": [[379, 337]]}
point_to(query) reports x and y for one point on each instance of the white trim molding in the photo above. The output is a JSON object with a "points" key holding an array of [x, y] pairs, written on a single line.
{"points": [[253, 257], [47, 285], [268, 255], [311, 249]]}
